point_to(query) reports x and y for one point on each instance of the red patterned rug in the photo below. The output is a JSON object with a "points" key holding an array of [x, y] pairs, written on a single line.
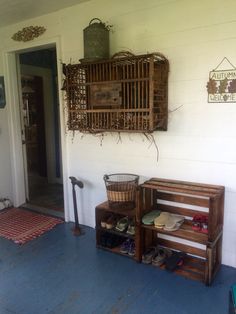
{"points": [[21, 225]]}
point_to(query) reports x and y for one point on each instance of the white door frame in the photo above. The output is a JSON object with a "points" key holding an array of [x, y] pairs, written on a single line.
{"points": [[13, 110]]}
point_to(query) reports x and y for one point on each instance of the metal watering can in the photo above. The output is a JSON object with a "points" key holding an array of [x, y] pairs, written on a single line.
{"points": [[96, 41]]}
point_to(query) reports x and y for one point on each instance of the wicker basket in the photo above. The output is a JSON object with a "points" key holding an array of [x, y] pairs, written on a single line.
{"points": [[121, 188]]}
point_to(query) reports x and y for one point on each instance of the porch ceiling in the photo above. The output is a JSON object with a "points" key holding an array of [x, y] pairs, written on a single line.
{"points": [[15, 11]]}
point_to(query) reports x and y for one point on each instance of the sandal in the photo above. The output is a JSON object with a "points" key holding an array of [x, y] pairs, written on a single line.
{"points": [[148, 219], [122, 224], [174, 222], [162, 220]]}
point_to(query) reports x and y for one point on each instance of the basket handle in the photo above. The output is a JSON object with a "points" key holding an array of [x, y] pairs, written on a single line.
{"points": [[122, 54], [94, 20], [105, 177]]}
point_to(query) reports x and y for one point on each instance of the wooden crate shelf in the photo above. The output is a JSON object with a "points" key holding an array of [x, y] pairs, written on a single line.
{"points": [[119, 94], [104, 207], [100, 212], [182, 198], [203, 251]]}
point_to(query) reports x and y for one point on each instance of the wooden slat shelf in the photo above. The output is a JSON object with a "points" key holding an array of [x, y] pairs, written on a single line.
{"points": [[110, 81], [192, 267], [183, 187], [113, 231], [185, 232], [116, 210], [115, 250]]}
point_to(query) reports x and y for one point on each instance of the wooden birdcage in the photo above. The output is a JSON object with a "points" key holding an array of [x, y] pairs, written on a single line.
{"points": [[125, 93]]}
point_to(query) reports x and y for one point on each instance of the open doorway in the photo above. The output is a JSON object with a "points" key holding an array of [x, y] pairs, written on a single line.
{"points": [[41, 131]]}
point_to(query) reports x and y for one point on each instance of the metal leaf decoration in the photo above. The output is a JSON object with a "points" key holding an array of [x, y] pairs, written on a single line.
{"points": [[29, 33], [232, 86], [211, 86], [223, 86]]}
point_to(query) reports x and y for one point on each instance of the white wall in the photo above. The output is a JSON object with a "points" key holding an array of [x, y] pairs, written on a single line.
{"points": [[200, 142], [5, 168]]}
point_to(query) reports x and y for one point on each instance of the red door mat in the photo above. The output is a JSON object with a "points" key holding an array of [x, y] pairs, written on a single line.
{"points": [[21, 225]]}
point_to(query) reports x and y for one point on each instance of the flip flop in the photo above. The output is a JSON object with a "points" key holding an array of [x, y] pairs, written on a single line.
{"points": [[162, 220], [148, 219], [174, 222]]}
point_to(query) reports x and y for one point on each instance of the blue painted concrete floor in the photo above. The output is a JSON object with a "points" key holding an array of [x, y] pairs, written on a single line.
{"points": [[59, 273]]}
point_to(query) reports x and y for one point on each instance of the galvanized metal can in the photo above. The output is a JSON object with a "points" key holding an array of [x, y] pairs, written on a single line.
{"points": [[96, 41]]}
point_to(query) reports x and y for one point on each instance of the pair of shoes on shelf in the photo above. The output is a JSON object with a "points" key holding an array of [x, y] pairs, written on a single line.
{"points": [[161, 256], [168, 221], [126, 225], [110, 241], [156, 255], [149, 254], [108, 222], [200, 223], [148, 219], [128, 247]]}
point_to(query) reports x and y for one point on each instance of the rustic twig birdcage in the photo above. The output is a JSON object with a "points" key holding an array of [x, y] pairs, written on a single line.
{"points": [[124, 93]]}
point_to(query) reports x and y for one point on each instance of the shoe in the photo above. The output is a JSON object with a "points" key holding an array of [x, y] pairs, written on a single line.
{"points": [[113, 241], [122, 224], [7, 202], [104, 220], [161, 255], [204, 227], [103, 240], [148, 255], [175, 260], [131, 228], [125, 246], [131, 251], [110, 223], [200, 223]]}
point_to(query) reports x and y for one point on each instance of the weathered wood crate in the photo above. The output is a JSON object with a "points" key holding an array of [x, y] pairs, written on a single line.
{"points": [[187, 199], [120, 94]]}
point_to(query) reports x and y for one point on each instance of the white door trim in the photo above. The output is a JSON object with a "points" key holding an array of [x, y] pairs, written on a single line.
{"points": [[13, 110]]}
